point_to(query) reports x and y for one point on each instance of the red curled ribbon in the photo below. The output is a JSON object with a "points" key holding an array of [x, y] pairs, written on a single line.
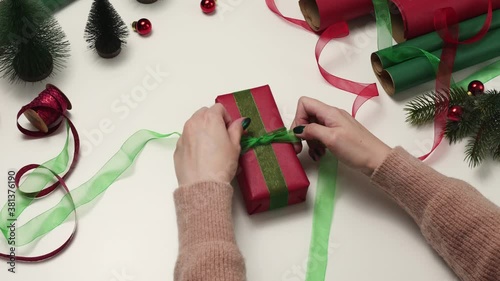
{"points": [[363, 91], [65, 244], [46, 112]]}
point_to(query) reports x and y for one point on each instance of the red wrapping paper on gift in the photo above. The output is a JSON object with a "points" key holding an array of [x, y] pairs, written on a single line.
{"points": [[270, 176]]}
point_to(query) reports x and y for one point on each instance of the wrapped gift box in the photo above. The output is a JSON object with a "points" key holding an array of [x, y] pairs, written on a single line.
{"points": [[270, 176]]}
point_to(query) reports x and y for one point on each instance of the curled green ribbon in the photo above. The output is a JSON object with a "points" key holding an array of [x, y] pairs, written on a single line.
{"points": [[281, 135]]}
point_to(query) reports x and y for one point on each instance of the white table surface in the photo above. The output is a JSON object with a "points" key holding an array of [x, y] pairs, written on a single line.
{"points": [[130, 233]]}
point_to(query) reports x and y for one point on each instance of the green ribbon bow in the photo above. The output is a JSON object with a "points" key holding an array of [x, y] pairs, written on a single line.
{"points": [[281, 135]]}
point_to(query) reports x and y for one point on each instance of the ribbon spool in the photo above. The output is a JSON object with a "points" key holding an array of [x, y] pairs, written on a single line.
{"points": [[46, 110]]}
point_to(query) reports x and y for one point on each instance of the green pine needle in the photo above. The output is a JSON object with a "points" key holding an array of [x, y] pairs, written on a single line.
{"points": [[423, 109], [496, 154]]}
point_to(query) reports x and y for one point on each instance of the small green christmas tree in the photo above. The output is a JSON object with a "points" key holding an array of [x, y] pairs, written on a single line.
{"points": [[32, 44], [105, 31], [471, 113]]}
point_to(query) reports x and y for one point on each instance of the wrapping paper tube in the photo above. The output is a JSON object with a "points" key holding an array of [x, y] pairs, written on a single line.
{"points": [[431, 42], [418, 70], [414, 18], [320, 14]]}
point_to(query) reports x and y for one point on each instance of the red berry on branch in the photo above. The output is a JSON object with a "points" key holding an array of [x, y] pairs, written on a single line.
{"points": [[142, 26], [207, 6]]}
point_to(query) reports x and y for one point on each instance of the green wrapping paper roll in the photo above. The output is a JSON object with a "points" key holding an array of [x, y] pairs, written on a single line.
{"points": [[55, 5], [419, 70], [432, 42]]}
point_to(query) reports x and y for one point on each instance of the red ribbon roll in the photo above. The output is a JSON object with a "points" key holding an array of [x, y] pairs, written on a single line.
{"points": [[46, 112]]}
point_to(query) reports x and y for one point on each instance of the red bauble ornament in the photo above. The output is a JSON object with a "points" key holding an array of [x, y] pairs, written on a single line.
{"points": [[142, 26], [207, 6], [455, 113], [476, 88]]}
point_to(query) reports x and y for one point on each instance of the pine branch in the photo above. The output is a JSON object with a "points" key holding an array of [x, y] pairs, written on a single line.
{"points": [[489, 103], [479, 120], [486, 138], [496, 153], [491, 108], [456, 131], [479, 145], [423, 109]]}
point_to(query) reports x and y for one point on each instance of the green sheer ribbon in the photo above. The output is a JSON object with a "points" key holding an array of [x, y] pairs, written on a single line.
{"points": [[99, 183], [323, 205], [484, 75], [39, 179], [322, 218], [278, 136], [383, 23]]}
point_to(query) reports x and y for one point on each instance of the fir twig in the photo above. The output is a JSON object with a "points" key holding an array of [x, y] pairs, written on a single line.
{"points": [[480, 120], [423, 109], [480, 144]]}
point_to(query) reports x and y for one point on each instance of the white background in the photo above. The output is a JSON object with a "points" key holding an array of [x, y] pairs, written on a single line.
{"points": [[130, 233]]}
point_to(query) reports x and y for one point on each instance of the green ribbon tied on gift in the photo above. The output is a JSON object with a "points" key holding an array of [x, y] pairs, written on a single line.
{"points": [[281, 135]]}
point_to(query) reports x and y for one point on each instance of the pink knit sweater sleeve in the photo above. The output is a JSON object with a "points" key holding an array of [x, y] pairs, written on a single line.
{"points": [[457, 221], [207, 246]]}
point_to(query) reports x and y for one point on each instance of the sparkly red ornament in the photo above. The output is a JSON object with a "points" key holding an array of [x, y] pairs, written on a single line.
{"points": [[142, 26], [475, 88], [455, 113], [207, 6]]}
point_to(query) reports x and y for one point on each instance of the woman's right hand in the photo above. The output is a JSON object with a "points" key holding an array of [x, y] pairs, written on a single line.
{"points": [[323, 126]]}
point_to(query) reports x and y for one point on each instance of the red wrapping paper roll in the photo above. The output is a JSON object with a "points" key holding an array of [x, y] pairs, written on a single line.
{"points": [[320, 14], [416, 18]]}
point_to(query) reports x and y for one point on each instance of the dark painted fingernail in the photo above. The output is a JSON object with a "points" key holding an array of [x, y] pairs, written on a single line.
{"points": [[245, 123], [298, 130], [318, 152], [314, 157]]}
